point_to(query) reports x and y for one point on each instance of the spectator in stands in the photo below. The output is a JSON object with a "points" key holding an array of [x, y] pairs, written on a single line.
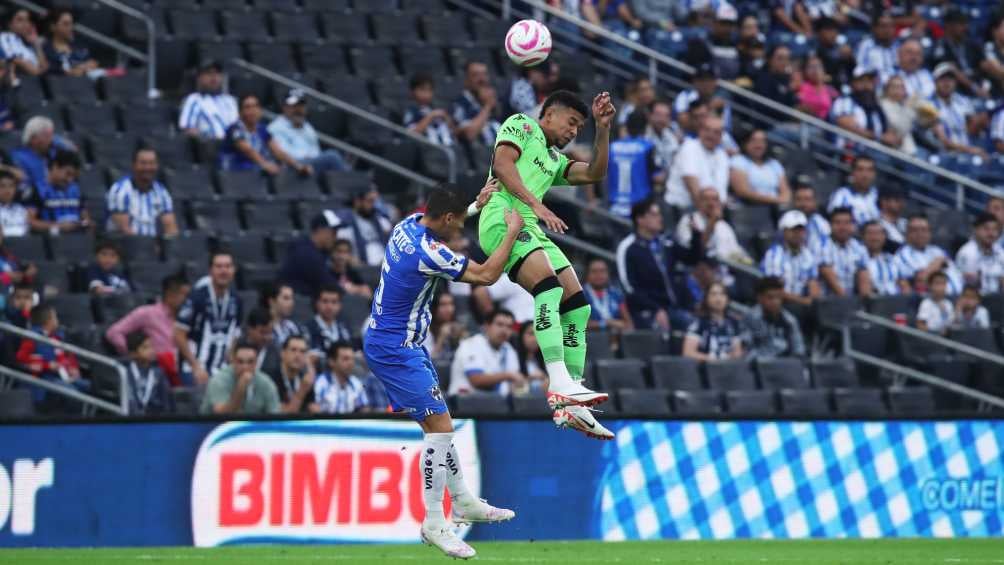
{"points": [[917, 78], [752, 50], [22, 44], [343, 267], [957, 48], [239, 388], [138, 204], [325, 328], [995, 206], [14, 220], [792, 17], [304, 260], [860, 194], [12, 269], [936, 313], [445, 332], [39, 144], [861, 113], [837, 56], [421, 117], [982, 262], [718, 239], [660, 133], [504, 294], [48, 362], [530, 88], [900, 112], [617, 17], [843, 263], [338, 390], [646, 261], [755, 176], [57, 204], [719, 49], [657, 17], [64, 55], [149, 389], [279, 300], [7, 89], [892, 200], [877, 53], [637, 154], [297, 138], [157, 321], [258, 332], [996, 131], [295, 378], [487, 362], [770, 331], [919, 259], [210, 318], [639, 93], [969, 313], [476, 110], [17, 309], [954, 111], [105, 274], [777, 82], [208, 112], [882, 267], [607, 302], [713, 335], [992, 59], [704, 86], [815, 96], [700, 163], [366, 227], [531, 360], [803, 199], [248, 145], [791, 260]]}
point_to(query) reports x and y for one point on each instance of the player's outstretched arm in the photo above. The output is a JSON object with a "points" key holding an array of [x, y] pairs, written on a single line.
{"points": [[595, 171], [488, 272], [504, 166]]}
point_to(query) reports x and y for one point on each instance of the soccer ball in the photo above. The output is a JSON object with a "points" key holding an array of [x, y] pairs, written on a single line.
{"points": [[528, 43]]}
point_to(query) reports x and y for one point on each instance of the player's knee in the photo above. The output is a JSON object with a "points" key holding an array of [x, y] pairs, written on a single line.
{"points": [[548, 283], [574, 302]]}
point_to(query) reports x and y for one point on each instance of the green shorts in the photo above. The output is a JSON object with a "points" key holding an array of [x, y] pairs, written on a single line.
{"points": [[492, 230]]}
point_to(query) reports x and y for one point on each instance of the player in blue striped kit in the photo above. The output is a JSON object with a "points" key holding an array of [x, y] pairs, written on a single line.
{"points": [[416, 261]]}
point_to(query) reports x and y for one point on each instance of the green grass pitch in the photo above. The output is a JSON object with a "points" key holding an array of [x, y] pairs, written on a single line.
{"points": [[815, 552]]}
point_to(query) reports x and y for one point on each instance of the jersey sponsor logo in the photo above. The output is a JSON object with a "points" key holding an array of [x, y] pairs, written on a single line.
{"points": [[523, 236], [571, 336], [542, 322], [543, 167], [451, 463], [514, 131]]}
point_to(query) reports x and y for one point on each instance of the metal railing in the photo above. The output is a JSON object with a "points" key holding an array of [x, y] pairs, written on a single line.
{"points": [[354, 110], [151, 42], [930, 338], [123, 389]]}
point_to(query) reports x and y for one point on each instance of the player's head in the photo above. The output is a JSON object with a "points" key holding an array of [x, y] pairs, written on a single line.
{"points": [[446, 210], [636, 124], [562, 116]]}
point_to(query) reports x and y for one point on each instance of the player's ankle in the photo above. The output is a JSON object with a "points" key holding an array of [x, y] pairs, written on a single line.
{"points": [[433, 519]]}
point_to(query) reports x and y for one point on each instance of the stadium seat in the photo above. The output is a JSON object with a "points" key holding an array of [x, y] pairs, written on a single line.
{"points": [[31, 247], [243, 25], [833, 312], [911, 400], [52, 275], [242, 83], [326, 5], [429, 59], [131, 86], [956, 371], [751, 402], [112, 307], [372, 62], [755, 219], [833, 373], [252, 276], [246, 248], [980, 338], [136, 247], [355, 311], [295, 27], [450, 30], [613, 374], [290, 184], [235, 5], [598, 345], [642, 344], [190, 181], [185, 400], [73, 309], [347, 29], [531, 405], [92, 117], [914, 350], [173, 150], [242, 184], [675, 373], [146, 276], [859, 402], [424, 6], [113, 150], [16, 403], [276, 57], [643, 402], [872, 340], [729, 375], [215, 215], [370, 274], [376, 6], [473, 405], [889, 306], [391, 29], [994, 303], [781, 373], [268, 216], [692, 402], [65, 88], [190, 24], [223, 51], [807, 402]]}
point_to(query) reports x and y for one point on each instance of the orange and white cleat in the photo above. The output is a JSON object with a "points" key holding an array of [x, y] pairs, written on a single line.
{"points": [[575, 395], [441, 536], [479, 511], [581, 419]]}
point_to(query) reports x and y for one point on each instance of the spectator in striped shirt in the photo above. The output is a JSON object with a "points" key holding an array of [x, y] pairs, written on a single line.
{"points": [[13, 216], [918, 259], [891, 202], [475, 111], [138, 204], [338, 390], [704, 86], [279, 300], [882, 270], [982, 262], [954, 113], [208, 112], [817, 231], [23, 44], [878, 52], [997, 130], [792, 261], [843, 262], [860, 194], [860, 112], [58, 205], [918, 79]]}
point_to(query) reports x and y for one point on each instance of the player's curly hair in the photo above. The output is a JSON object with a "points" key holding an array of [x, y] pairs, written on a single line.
{"points": [[567, 99]]}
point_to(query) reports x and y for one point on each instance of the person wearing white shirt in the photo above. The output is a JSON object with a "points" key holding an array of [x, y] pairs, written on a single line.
{"points": [[843, 261], [487, 362], [891, 202], [298, 139], [792, 261], [208, 112], [918, 259], [700, 163], [139, 204], [878, 52], [995, 206], [882, 267], [22, 43], [860, 194], [969, 313], [982, 262], [13, 216], [954, 110], [720, 241], [661, 134], [755, 176], [337, 390], [936, 313]]}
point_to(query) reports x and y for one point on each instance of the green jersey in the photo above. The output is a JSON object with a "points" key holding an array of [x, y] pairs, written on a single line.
{"points": [[540, 166]]}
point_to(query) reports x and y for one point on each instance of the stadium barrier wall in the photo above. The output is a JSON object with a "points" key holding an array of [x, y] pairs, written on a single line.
{"points": [[333, 481]]}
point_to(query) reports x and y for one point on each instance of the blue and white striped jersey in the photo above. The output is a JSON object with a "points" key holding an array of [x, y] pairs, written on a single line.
{"points": [[873, 56], [334, 398], [864, 207], [414, 263], [997, 125], [144, 208], [796, 270], [885, 274], [909, 260], [212, 322], [16, 48], [987, 265], [952, 115], [210, 114], [919, 83], [817, 233], [846, 260], [846, 106]]}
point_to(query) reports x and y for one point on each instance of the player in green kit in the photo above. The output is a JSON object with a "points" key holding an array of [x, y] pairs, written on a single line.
{"points": [[527, 164]]}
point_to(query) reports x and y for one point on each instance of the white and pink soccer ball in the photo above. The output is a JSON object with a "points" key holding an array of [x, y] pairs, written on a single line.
{"points": [[528, 43]]}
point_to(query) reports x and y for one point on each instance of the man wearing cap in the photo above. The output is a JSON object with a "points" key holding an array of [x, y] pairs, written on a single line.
{"points": [[860, 113], [891, 203], [792, 261], [298, 139], [304, 265], [719, 49], [208, 112], [910, 68], [878, 52], [957, 48], [954, 112]]}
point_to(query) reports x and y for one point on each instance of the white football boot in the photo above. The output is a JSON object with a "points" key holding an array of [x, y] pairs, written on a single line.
{"points": [[574, 395], [581, 419], [442, 537], [479, 511]]}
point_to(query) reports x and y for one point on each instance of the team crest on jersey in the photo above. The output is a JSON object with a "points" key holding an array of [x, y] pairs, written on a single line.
{"points": [[435, 393], [523, 236], [409, 249], [433, 245], [527, 128], [552, 154]]}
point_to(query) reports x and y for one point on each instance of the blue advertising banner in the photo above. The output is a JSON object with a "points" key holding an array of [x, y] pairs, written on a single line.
{"points": [[336, 481]]}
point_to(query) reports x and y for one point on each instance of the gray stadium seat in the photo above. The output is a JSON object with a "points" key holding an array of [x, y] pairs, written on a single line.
{"points": [[808, 402], [729, 375], [781, 373], [642, 344], [16, 403], [889, 306], [242, 184], [835, 311], [73, 309], [834, 373], [531, 405], [676, 373], [355, 310], [289, 184], [32, 247], [215, 215], [598, 345], [348, 29], [52, 275], [473, 405], [859, 402], [112, 307], [295, 27], [252, 276], [643, 402], [186, 24], [188, 247], [911, 400], [751, 402], [268, 216], [146, 276], [613, 374], [696, 402], [396, 29], [246, 248]]}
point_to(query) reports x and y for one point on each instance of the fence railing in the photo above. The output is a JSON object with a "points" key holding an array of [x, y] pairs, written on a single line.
{"points": [[123, 385], [151, 42]]}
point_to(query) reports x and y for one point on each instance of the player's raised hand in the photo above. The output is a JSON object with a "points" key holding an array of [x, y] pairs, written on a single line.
{"points": [[550, 219], [491, 187], [603, 110], [513, 220]]}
